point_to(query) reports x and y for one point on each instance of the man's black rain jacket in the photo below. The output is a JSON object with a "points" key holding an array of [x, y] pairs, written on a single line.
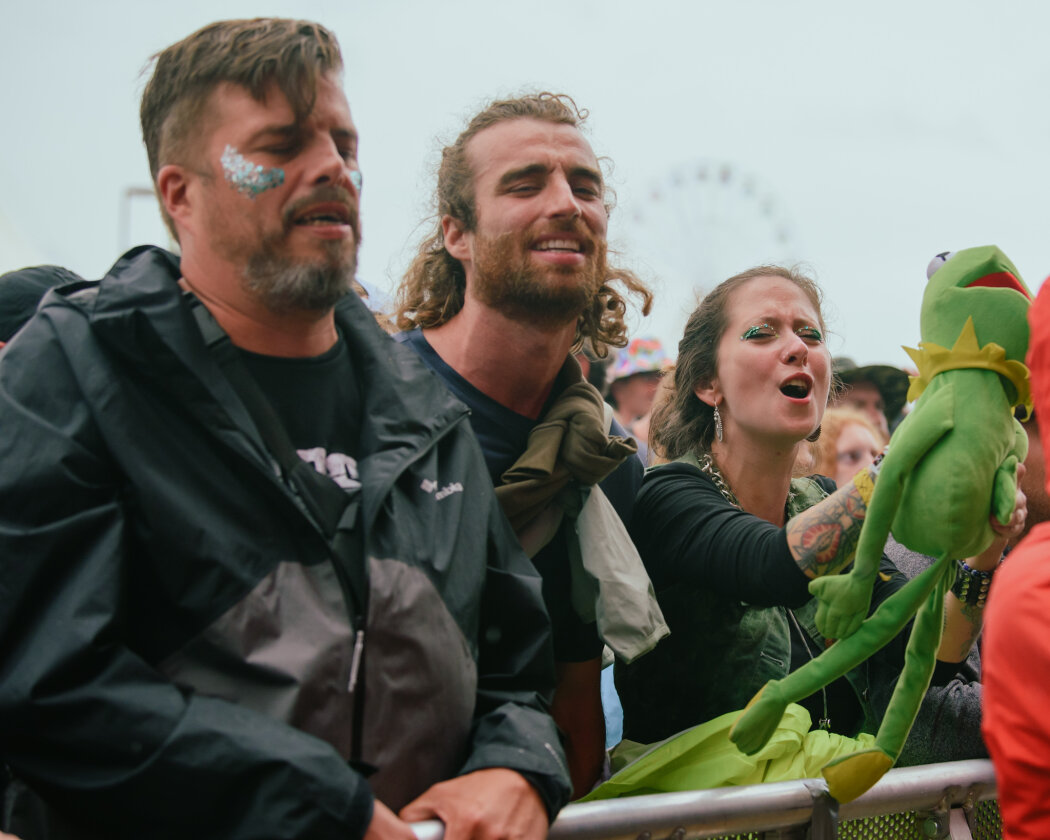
{"points": [[174, 643]]}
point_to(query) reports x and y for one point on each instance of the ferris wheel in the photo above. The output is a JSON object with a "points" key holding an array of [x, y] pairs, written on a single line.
{"points": [[704, 221]]}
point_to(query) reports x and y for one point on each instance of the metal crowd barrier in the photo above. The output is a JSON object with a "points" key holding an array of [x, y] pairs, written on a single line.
{"points": [[951, 800]]}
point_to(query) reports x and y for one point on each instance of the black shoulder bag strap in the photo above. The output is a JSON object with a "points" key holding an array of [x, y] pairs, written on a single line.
{"points": [[327, 503]]}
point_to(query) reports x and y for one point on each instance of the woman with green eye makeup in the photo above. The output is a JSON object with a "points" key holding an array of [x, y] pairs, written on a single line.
{"points": [[731, 539]]}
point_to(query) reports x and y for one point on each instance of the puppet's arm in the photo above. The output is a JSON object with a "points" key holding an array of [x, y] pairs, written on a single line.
{"points": [[844, 599], [962, 621], [1004, 489]]}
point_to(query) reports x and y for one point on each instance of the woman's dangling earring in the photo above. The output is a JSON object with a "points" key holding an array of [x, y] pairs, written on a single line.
{"points": [[718, 425]]}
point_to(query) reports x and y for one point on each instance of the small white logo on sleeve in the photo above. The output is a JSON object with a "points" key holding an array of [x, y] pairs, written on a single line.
{"points": [[448, 490], [428, 486]]}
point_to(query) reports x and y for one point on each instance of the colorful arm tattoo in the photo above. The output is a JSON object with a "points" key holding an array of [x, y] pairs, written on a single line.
{"points": [[824, 538]]}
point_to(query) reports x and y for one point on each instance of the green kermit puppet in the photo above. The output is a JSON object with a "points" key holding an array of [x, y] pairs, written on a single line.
{"points": [[950, 462]]}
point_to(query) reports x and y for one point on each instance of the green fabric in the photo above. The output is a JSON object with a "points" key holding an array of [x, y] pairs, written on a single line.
{"points": [[950, 463], [568, 452], [704, 757], [569, 446]]}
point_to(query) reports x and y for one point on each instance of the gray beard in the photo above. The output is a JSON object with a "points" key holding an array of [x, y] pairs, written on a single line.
{"points": [[285, 286]]}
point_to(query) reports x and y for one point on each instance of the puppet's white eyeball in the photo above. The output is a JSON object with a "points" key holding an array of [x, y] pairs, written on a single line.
{"points": [[937, 262]]}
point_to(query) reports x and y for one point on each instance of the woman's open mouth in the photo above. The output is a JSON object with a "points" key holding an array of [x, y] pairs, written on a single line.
{"points": [[798, 387]]}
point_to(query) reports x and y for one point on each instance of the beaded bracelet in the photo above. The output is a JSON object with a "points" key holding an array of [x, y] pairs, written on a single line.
{"points": [[971, 586]]}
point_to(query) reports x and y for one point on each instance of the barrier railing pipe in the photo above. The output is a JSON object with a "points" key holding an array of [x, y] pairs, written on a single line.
{"points": [[768, 807]]}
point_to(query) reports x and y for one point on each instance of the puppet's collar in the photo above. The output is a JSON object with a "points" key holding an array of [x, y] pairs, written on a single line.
{"points": [[933, 359]]}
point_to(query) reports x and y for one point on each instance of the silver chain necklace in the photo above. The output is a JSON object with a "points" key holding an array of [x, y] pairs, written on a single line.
{"points": [[710, 469]]}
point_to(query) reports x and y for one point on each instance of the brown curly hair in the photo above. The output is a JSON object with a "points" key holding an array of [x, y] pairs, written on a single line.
{"points": [[432, 290], [681, 421]]}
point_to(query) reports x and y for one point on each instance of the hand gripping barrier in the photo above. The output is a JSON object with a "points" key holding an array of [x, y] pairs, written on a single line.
{"points": [[950, 800]]}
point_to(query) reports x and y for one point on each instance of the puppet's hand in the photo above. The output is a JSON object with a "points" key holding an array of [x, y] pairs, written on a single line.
{"points": [[843, 602], [760, 719], [1007, 496], [1008, 532]]}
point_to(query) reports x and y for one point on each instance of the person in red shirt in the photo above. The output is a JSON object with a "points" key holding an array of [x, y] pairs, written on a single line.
{"points": [[1016, 649]]}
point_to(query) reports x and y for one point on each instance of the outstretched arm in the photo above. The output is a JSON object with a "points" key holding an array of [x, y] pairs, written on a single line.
{"points": [[843, 600], [823, 538]]}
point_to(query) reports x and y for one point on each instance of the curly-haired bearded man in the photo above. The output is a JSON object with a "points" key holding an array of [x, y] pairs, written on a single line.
{"points": [[512, 280]]}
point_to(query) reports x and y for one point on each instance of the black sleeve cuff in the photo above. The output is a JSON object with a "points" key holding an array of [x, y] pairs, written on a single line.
{"points": [[550, 792]]}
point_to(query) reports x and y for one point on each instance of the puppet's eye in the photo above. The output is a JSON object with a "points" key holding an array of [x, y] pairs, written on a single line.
{"points": [[937, 262]]}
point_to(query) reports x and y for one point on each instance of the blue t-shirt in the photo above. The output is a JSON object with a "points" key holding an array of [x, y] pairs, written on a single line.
{"points": [[503, 435]]}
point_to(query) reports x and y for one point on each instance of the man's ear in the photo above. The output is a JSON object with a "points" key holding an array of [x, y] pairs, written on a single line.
{"points": [[173, 191], [709, 393], [458, 239]]}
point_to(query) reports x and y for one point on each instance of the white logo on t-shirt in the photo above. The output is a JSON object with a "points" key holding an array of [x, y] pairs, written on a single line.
{"points": [[342, 469]]}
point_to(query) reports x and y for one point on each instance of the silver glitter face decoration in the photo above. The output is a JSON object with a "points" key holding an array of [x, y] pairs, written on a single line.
{"points": [[356, 179], [248, 178]]}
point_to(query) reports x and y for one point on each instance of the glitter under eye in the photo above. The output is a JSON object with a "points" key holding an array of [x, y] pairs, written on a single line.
{"points": [[356, 179], [246, 177]]}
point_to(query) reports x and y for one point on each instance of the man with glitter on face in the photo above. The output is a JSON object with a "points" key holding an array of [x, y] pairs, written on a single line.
{"points": [[256, 582], [512, 280]]}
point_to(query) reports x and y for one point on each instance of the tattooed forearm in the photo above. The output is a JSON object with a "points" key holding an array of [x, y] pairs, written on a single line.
{"points": [[823, 539], [973, 615], [962, 626], [963, 620]]}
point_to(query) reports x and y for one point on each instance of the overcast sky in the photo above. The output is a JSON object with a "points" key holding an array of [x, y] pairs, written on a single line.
{"points": [[860, 139]]}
